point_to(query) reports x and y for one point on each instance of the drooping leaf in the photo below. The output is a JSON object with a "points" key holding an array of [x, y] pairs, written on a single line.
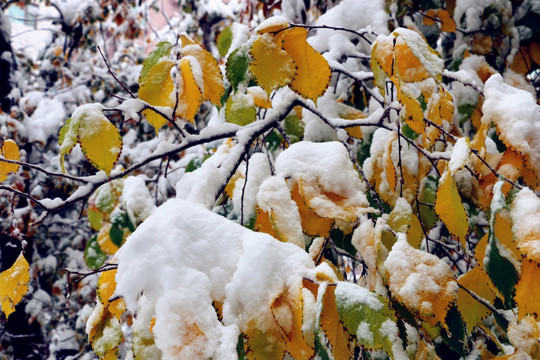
{"points": [[364, 314], [527, 296], [10, 151], [67, 139], [237, 69], [449, 208], [105, 290], [240, 109], [190, 95], [313, 73], [104, 333], [14, 284], [271, 66], [312, 224], [162, 49], [501, 271], [93, 255], [332, 325], [100, 142], [473, 312], [212, 77], [157, 89], [224, 41]]}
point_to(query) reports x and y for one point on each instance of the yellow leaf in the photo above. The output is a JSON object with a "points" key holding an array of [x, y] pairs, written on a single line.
{"points": [[447, 23], [186, 40], [260, 97], [472, 311], [480, 250], [264, 223], [528, 289], [273, 24], [104, 240], [312, 224], [332, 326], [449, 208], [104, 332], [157, 89], [407, 67], [100, 142], [263, 344], [313, 73], [415, 235], [426, 352], [10, 151], [287, 312], [105, 289], [212, 77], [414, 116], [351, 113], [382, 52], [271, 65], [14, 284], [389, 168], [190, 95], [503, 233]]}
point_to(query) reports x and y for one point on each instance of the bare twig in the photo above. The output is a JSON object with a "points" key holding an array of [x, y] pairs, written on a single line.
{"points": [[114, 76]]}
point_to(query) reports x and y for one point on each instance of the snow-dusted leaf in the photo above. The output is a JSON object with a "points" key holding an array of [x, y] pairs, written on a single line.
{"points": [[104, 333], [212, 77], [104, 240], [162, 49], [190, 95], [157, 89], [240, 109], [449, 208], [100, 141], [67, 139], [364, 314], [260, 97], [272, 24], [461, 155], [14, 284], [272, 66], [105, 290], [10, 151], [93, 255], [332, 325], [237, 69], [313, 73], [525, 214], [312, 223]]}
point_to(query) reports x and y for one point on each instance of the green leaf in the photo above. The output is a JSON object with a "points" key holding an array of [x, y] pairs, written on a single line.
{"points": [[117, 235], [68, 138], [95, 218], [294, 127], [161, 50], [237, 68], [240, 110], [93, 255], [363, 313], [408, 132], [457, 330], [224, 41], [343, 241], [427, 213], [501, 271], [240, 349], [320, 350]]}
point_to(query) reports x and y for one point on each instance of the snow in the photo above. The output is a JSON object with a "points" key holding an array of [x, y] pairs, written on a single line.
{"points": [[516, 114], [525, 213], [351, 293], [461, 155], [276, 22], [137, 199], [199, 258]]}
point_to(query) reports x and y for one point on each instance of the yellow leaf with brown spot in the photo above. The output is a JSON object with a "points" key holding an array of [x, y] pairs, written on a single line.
{"points": [[10, 151], [332, 326], [157, 89], [272, 66], [527, 295], [14, 284], [287, 312], [190, 95], [312, 224], [447, 22], [472, 311], [449, 208], [105, 290], [313, 73], [212, 77]]}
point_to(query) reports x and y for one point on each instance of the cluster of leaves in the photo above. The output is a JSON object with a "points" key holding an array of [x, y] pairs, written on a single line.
{"points": [[435, 226]]}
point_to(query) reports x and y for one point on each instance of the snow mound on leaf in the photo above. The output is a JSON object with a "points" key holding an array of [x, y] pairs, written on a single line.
{"points": [[184, 257]]}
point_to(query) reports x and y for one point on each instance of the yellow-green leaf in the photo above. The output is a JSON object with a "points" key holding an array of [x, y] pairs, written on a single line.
{"points": [[450, 209], [271, 66], [100, 142], [240, 109], [313, 73], [212, 77], [10, 151], [157, 89], [189, 95], [14, 284], [104, 333]]}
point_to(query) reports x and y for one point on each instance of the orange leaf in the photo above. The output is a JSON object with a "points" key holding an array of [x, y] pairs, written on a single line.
{"points": [[312, 224], [528, 289], [429, 18], [447, 23]]}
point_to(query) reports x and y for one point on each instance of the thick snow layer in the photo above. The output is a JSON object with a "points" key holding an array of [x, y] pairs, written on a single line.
{"points": [[351, 14], [516, 114], [44, 123], [137, 199], [461, 155], [525, 213], [184, 256]]}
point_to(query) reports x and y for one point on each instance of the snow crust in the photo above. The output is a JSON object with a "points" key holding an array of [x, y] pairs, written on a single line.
{"points": [[516, 114], [203, 257]]}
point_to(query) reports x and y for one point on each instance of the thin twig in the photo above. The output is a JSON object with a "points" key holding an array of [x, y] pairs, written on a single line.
{"points": [[114, 76]]}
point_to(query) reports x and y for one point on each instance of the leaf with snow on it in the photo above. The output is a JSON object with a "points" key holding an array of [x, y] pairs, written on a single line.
{"points": [[10, 151], [190, 95], [525, 214], [105, 291], [240, 109], [14, 284], [237, 68], [162, 49], [461, 155], [104, 333], [272, 24], [332, 325], [212, 78], [156, 89]]}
